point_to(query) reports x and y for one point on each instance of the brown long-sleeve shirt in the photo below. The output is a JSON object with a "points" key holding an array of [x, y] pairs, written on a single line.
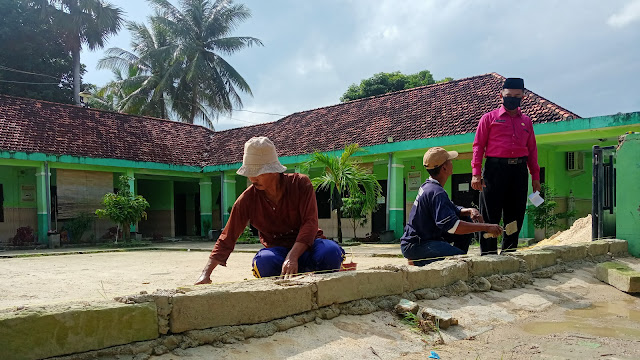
{"points": [[294, 219]]}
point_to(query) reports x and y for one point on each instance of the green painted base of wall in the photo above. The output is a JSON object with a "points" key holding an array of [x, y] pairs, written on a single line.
{"points": [[205, 218], [43, 229], [396, 222]]}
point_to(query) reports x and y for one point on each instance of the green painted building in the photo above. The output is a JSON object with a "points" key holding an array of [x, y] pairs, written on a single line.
{"points": [[56, 161]]}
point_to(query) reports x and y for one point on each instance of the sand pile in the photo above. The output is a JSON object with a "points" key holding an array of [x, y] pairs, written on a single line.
{"points": [[580, 231]]}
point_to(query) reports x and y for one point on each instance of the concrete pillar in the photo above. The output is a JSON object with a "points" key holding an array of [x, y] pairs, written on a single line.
{"points": [[228, 195], [395, 196], [172, 207], [132, 188], [206, 205], [42, 202], [628, 193]]}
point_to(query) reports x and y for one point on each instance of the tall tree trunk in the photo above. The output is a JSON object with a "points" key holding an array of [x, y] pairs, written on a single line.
{"points": [[126, 232], [194, 102], [75, 56], [162, 115], [340, 225]]}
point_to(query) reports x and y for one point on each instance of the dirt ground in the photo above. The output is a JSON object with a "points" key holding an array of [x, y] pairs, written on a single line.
{"points": [[84, 277], [570, 316]]}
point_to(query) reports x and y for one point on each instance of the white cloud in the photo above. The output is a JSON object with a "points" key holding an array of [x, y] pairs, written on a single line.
{"points": [[317, 63], [629, 13]]}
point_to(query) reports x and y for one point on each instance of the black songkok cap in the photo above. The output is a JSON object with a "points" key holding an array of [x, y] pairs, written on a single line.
{"points": [[513, 83]]}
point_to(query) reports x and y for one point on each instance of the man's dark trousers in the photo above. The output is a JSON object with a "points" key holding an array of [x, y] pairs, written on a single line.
{"points": [[504, 196]]}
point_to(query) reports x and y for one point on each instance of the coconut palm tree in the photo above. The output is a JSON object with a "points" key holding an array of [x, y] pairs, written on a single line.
{"points": [[149, 83], [344, 177], [208, 84], [82, 22]]}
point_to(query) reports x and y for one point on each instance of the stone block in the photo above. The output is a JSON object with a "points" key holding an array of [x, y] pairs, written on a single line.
{"points": [[36, 333], [598, 248], [618, 247], [536, 259], [570, 252], [239, 303], [619, 276], [492, 265], [354, 285], [435, 275]]}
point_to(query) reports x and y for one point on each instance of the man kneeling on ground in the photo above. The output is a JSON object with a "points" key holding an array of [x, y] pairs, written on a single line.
{"points": [[435, 223], [284, 210]]}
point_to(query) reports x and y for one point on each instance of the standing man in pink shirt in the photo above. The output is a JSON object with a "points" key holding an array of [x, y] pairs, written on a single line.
{"points": [[505, 137]]}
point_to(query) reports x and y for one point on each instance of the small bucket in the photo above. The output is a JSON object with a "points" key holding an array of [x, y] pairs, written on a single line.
{"points": [[348, 266]]}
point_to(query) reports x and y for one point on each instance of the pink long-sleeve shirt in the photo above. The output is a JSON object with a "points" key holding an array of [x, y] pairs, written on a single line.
{"points": [[503, 136]]}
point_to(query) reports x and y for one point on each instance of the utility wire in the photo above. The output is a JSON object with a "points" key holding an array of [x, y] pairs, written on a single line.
{"points": [[25, 72], [259, 112], [27, 82]]}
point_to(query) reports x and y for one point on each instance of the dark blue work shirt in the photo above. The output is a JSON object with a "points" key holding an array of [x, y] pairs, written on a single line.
{"points": [[432, 214]]}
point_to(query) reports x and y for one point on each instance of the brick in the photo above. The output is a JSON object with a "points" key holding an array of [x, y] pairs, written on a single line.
{"points": [[437, 274], [619, 275], [536, 259], [353, 285], [570, 252], [239, 303], [492, 265], [37, 333], [598, 248], [618, 247]]}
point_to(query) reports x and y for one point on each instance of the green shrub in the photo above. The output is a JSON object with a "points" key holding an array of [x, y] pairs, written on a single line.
{"points": [[78, 226]]}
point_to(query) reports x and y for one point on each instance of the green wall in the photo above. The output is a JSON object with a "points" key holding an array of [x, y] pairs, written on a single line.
{"points": [[628, 193], [12, 178]]}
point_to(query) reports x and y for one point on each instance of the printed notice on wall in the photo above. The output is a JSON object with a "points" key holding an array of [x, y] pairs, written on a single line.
{"points": [[414, 181], [28, 193]]}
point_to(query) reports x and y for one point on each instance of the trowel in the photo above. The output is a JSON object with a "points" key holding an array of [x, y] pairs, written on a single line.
{"points": [[511, 228]]}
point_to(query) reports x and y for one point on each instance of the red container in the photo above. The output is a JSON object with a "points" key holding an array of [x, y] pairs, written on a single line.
{"points": [[348, 266]]}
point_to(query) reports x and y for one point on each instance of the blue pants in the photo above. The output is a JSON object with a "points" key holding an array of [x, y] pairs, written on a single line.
{"points": [[435, 250], [323, 255]]}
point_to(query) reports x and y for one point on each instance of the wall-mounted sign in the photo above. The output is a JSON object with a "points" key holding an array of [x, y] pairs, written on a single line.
{"points": [[463, 187], [28, 193], [414, 180]]}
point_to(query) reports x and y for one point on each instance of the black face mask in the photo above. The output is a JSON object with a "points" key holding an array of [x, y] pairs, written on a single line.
{"points": [[511, 103]]}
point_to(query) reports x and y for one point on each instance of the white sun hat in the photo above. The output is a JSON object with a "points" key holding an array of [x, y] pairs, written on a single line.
{"points": [[260, 157]]}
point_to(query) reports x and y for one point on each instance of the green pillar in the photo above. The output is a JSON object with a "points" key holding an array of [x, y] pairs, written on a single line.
{"points": [[172, 207], [228, 195], [206, 205], [132, 188], [395, 196], [628, 192], [42, 202]]}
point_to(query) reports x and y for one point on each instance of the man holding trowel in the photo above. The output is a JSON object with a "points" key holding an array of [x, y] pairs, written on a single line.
{"points": [[284, 210], [437, 228], [505, 137]]}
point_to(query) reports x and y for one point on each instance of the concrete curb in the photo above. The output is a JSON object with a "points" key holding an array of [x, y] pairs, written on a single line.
{"points": [[619, 275], [199, 315]]}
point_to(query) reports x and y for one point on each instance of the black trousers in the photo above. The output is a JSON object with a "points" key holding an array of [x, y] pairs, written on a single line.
{"points": [[463, 241], [503, 197]]}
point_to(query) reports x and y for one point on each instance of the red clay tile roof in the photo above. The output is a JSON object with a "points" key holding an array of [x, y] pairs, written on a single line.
{"points": [[450, 108], [36, 126], [431, 111]]}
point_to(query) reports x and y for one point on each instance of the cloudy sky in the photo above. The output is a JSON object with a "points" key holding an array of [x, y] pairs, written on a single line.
{"points": [[583, 55]]}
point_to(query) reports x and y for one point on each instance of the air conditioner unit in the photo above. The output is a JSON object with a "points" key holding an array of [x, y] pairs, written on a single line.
{"points": [[575, 161]]}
